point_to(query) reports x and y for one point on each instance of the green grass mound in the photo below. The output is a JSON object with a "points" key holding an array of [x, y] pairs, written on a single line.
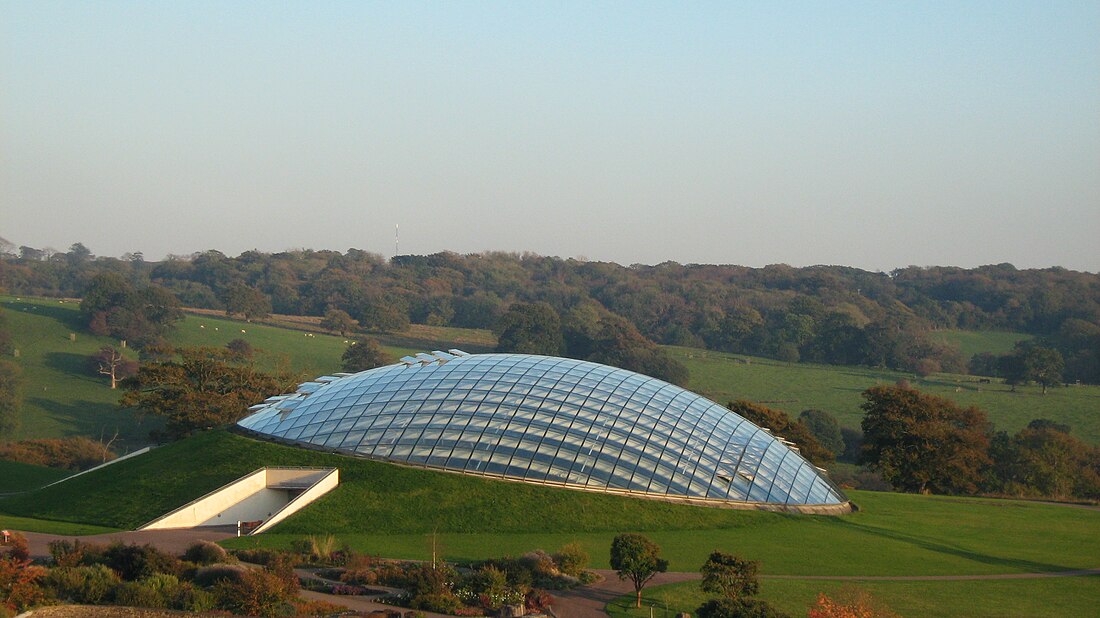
{"points": [[394, 511], [16, 477]]}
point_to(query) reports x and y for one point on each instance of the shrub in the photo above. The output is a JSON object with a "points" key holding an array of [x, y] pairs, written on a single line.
{"points": [[216, 573], [255, 556], [18, 549], [572, 559], [20, 585], [254, 593], [537, 601], [133, 562], [64, 553], [191, 599], [138, 594], [431, 581], [445, 603], [205, 552], [76, 453], [90, 585], [540, 563], [850, 602]]}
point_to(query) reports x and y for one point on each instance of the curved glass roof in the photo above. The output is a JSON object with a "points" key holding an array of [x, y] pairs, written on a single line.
{"points": [[548, 420]]}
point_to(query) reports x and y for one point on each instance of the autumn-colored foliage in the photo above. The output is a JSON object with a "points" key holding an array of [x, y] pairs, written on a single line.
{"points": [[19, 579], [75, 453], [850, 603], [197, 388], [922, 443]]}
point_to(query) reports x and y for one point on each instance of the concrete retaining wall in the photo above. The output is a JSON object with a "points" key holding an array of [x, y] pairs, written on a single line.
{"points": [[320, 487], [268, 494]]}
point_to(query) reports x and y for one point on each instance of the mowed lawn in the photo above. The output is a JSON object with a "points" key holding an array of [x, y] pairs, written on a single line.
{"points": [[393, 511], [17, 477], [62, 396], [1022, 598], [800, 386]]}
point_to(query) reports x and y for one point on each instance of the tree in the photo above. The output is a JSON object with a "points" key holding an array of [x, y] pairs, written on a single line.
{"points": [[241, 348], [111, 306], [197, 388], [788, 353], [922, 443], [1032, 363], [338, 321], [782, 425], [11, 397], [619, 344], [110, 362], [636, 558], [1044, 460], [364, 354], [729, 576], [825, 428], [530, 328], [247, 301]]}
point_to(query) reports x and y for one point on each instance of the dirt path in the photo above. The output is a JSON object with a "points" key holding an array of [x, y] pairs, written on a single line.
{"points": [[172, 541]]}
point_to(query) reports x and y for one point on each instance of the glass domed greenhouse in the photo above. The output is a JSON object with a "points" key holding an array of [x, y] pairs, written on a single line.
{"points": [[548, 420]]}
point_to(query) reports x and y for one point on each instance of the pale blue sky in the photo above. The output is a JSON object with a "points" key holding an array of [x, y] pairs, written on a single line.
{"points": [[876, 135]]}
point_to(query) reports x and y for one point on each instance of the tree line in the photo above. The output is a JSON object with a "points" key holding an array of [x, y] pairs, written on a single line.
{"points": [[921, 443], [827, 314]]}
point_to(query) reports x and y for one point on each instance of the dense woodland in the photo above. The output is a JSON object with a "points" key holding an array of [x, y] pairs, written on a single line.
{"points": [[828, 314]]}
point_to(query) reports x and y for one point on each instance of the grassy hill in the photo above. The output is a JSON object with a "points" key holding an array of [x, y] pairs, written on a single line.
{"points": [[799, 386], [971, 342], [400, 512], [15, 476], [62, 399], [391, 510]]}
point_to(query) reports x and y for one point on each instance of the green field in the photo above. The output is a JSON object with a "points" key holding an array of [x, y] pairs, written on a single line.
{"points": [[15, 476], [796, 387], [1062, 596], [971, 342], [398, 512], [63, 399], [392, 510]]}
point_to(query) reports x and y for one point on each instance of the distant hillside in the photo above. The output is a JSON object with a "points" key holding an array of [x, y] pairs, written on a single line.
{"points": [[63, 399], [822, 314]]}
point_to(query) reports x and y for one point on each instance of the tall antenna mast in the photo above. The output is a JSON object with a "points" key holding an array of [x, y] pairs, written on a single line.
{"points": [[396, 239]]}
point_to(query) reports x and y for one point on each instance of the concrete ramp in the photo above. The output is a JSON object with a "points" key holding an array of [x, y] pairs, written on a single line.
{"points": [[261, 498]]}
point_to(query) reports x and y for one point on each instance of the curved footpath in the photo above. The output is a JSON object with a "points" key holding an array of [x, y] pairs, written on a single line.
{"points": [[583, 602]]}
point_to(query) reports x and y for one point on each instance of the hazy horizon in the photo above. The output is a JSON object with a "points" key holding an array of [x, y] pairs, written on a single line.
{"points": [[870, 135]]}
